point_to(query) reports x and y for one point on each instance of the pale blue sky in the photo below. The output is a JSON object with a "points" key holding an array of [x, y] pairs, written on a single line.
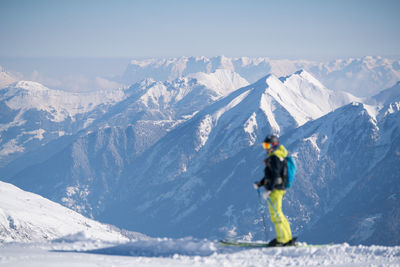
{"points": [[149, 28]]}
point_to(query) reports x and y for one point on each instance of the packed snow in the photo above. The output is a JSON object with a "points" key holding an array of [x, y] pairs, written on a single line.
{"points": [[37, 232], [189, 252]]}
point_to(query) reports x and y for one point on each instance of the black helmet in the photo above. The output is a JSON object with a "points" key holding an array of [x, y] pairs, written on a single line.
{"points": [[272, 140]]}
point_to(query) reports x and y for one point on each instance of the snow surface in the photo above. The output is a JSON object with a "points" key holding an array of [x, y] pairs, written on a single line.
{"points": [[27, 217], [189, 252], [78, 241]]}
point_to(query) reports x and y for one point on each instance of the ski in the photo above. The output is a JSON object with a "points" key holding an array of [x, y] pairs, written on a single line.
{"points": [[232, 243], [245, 244]]}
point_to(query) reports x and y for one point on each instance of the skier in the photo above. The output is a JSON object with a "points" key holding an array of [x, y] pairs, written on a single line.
{"points": [[274, 184]]}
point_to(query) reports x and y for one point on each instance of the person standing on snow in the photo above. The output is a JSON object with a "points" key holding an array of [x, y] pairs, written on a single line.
{"points": [[274, 184]]}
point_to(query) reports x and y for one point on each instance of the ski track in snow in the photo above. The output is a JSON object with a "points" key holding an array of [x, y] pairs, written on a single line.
{"points": [[189, 252]]}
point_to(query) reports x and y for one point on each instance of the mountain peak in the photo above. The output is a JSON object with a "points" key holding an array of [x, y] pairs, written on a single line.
{"points": [[222, 81], [304, 75], [30, 86]]}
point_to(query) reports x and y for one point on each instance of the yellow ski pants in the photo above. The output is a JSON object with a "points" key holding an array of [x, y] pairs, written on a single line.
{"points": [[282, 227]]}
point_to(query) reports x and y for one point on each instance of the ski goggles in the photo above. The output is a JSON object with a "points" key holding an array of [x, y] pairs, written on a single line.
{"points": [[267, 145]]}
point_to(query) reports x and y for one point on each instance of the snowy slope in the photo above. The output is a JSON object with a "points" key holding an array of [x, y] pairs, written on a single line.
{"points": [[27, 217], [189, 252], [46, 234]]}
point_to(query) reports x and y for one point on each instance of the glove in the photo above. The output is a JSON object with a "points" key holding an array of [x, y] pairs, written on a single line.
{"points": [[266, 194], [256, 185]]}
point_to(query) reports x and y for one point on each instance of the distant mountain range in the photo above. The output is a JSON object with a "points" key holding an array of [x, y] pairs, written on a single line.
{"points": [[178, 157], [32, 115], [361, 77]]}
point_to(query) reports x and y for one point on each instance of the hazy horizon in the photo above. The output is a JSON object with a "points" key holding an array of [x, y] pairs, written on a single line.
{"points": [[135, 29]]}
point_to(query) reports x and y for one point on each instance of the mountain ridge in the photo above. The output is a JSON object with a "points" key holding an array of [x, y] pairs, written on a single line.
{"points": [[358, 76]]}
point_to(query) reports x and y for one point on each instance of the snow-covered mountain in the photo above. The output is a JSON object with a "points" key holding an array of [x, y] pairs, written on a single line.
{"points": [[27, 217], [148, 112], [362, 77], [185, 153], [209, 163], [99, 174], [251, 69], [347, 162], [356, 175], [33, 115], [183, 96], [153, 108]]}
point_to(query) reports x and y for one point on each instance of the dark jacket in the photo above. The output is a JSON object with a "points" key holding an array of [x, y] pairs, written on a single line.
{"points": [[274, 168]]}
